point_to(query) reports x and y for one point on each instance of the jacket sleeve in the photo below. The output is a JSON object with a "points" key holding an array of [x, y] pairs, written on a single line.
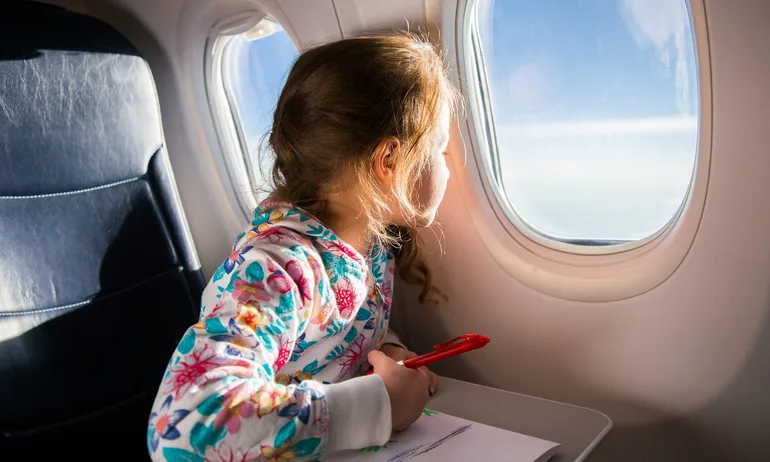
{"points": [[219, 398]]}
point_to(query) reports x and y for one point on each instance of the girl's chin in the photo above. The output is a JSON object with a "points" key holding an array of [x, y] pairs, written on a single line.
{"points": [[426, 219]]}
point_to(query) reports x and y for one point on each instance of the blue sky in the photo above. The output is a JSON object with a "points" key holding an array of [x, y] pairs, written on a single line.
{"points": [[257, 72], [596, 108], [595, 105]]}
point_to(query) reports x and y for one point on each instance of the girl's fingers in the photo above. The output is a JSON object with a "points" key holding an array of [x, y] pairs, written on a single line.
{"points": [[433, 380]]}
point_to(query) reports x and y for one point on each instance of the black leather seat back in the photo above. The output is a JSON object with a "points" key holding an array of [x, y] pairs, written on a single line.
{"points": [[98, 275]]}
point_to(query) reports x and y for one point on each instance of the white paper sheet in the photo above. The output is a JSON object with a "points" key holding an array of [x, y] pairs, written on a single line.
{"points": [[440, 437]]}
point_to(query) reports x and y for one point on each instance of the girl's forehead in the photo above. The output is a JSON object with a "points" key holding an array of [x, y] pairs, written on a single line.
{"points": [[441, 135]]}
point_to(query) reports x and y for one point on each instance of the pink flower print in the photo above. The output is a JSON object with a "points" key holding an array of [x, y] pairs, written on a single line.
{"points": [[217, 307], [387, 289], [294, 269], [299, 239], [284, 352], [346, 300], [248, 292], [235, 406], [279, 283], [352, 358], [225, 453], [274, 235], [387, 294], [321, 424], [190, 369], [272, 266], [343, 249]]}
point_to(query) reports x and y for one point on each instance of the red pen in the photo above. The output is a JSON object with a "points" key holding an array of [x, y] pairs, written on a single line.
{"points": [[441, 351]]}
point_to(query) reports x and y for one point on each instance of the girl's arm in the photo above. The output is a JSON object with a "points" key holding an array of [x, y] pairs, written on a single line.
{"points": [[219, 399], [391, 338]]}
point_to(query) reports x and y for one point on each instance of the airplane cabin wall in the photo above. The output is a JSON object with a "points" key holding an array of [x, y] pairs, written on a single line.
{"points": [[683, 370]]}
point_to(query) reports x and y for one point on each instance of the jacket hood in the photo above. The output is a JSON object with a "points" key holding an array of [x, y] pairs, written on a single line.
{"points": [[272, 220]]}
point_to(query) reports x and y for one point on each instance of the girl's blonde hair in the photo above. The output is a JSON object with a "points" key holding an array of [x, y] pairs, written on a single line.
{"points": [[339, 102]]}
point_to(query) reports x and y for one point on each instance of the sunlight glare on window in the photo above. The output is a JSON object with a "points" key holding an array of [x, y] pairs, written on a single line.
{"points": [[256, 65], [596, 113]]}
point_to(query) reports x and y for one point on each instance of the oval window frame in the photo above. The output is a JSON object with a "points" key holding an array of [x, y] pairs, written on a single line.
{"points": [[226, 116], [570, 271]]}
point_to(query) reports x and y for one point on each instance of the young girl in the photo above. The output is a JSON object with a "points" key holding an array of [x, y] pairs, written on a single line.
{"points": [[300, 308]]}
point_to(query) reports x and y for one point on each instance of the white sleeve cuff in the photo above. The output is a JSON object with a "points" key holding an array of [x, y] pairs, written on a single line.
{"points": [[359, 413]]}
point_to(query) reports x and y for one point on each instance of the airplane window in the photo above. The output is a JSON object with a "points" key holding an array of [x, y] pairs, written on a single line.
{"points": [[595, 113], [255, 66]]}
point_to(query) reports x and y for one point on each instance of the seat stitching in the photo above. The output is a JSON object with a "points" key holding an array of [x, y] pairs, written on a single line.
{"points": [[101, 297], [69, 193]]}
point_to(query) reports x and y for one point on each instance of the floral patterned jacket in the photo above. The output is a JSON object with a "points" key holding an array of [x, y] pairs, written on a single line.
{"points": [[271, 370]]}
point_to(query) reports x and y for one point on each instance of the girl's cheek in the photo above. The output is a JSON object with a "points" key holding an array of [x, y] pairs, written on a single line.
{"points": [[445, 169]]}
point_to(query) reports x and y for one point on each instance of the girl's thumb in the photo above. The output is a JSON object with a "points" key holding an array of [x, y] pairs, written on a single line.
{"points": [[375, 357]]}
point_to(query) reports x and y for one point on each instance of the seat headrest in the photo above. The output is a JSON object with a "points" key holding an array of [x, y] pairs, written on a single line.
{"points": [[79, 122]]}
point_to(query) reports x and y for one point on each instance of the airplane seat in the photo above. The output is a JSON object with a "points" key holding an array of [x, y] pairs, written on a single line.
{"points": [[99, 278]]}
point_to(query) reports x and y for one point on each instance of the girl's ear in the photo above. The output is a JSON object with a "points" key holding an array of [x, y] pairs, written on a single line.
{"points": [[383, 162]]}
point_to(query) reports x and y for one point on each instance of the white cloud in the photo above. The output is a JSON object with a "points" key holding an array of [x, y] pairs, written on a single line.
{"points": [[612, 155], [664, 25], [647, 125], [610, 179]]}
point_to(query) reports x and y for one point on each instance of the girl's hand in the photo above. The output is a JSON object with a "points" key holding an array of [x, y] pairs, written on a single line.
{"points": [[407, 389], [396, 353]]}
